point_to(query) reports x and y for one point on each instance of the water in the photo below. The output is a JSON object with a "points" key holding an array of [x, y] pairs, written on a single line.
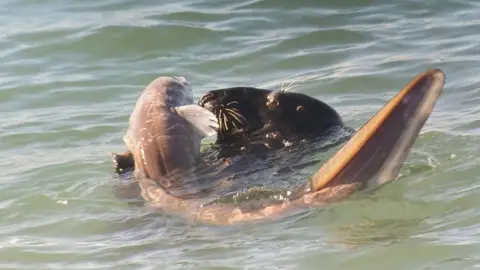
{"points": [[70, 74]]}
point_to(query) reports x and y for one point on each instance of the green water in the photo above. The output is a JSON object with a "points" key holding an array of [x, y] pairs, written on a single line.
{"points": [[70, 73]]}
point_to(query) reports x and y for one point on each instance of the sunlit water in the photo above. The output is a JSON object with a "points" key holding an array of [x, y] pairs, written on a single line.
{"points": [[71, 71]]}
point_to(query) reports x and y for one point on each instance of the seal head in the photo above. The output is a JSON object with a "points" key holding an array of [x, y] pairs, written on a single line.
{"points": [[247, 114]]}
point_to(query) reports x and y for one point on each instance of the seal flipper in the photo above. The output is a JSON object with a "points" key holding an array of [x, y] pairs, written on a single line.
{"points": [[375, 154], [202, 119]]}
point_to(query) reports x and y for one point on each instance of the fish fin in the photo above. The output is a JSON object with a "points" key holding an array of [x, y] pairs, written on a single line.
{"points": [[202, 119], [375, 154], [122, 162]]}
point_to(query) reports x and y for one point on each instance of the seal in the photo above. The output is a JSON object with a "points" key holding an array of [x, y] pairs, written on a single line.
{"points": [[369, 160], [252, 115], [165, 131]]}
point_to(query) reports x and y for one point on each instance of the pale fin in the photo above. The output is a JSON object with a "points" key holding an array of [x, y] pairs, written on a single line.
{"points": [[375, 154], [202, 119]]}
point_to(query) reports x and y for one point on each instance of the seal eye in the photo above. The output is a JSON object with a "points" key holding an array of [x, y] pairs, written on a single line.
{"points": [[300, 108]]}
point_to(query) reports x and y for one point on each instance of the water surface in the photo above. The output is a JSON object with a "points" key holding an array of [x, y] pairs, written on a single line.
{"points": [[72, 70]]}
